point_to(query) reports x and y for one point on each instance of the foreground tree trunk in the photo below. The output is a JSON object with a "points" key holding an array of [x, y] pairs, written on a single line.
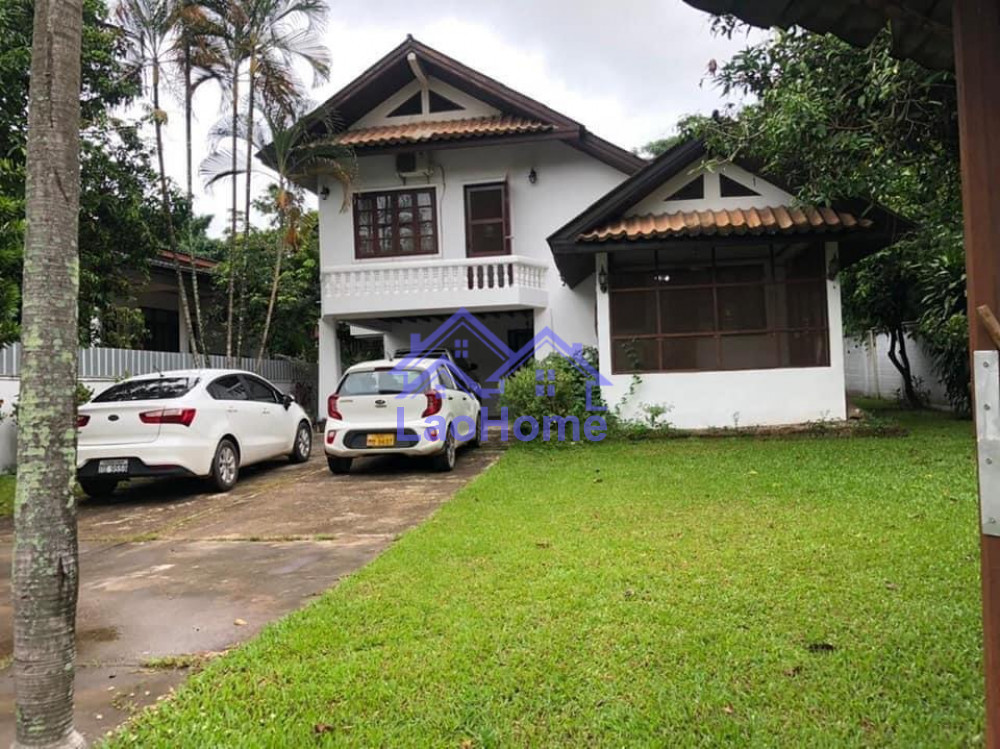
{"points": [[45, 543]]}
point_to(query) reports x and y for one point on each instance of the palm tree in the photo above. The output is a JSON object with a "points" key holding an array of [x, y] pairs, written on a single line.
{"points": [[200, 58], [45, 566], [147, 27], [266, 38], [295, 148]]}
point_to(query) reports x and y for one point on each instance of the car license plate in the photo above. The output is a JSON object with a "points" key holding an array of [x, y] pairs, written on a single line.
{"points": [[113, 466], [381, 440]]}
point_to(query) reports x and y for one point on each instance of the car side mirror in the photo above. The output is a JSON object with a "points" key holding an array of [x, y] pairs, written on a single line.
{"points": [[287, 400]]}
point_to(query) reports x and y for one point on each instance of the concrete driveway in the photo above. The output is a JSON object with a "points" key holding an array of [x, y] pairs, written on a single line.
{"points": [[170, 574]]}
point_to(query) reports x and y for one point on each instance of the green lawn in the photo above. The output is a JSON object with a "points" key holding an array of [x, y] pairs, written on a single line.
{"points": [[6, 495], [700, 592]]}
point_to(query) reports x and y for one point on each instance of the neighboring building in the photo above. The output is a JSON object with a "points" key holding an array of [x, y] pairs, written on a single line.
{"points": [[159, 300], [707, 282]]}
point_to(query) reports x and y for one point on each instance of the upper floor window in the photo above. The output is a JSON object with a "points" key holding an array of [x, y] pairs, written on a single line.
{"points": [[487, 220], [395, 223]]}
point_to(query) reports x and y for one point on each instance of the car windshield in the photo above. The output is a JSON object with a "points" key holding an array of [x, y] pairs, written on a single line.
{"points": [[149, 389], [382, 382]]}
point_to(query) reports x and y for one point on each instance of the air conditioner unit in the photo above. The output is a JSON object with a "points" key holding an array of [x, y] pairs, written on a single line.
{"points": [[415, 164]]}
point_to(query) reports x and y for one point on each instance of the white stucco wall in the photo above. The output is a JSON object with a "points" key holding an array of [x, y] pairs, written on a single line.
{"points": [[568, 181], [765, 397]]}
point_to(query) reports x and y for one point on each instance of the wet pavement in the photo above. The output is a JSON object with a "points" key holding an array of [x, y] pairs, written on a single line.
{"points": [[171, 574]]}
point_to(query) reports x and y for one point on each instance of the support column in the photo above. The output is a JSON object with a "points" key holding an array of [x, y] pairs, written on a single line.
{"points": [[329, 362], [977, 64]]}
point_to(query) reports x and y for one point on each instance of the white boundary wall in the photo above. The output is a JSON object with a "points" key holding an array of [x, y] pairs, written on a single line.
{"points": [[869, 372], [99, 368]]}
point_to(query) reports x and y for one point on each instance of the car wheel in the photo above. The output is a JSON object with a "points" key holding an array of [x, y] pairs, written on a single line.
{"points": [[303, 443], [225, 466], [445, 460], [339, 465], [477, 439], [98, 488]]}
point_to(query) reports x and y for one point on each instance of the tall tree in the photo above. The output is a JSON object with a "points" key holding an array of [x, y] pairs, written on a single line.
{"points": [[147, 26], [45, 543], [118, 203], [263, 39], [294, 147], [199, 57], [280, 33]]}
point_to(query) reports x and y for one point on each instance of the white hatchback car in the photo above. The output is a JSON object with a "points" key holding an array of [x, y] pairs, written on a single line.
{"points": [[206, 422], [385, 407]]}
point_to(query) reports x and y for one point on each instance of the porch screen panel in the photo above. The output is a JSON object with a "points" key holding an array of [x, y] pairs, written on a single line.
{"points": [[395, 223], [719, 308]]}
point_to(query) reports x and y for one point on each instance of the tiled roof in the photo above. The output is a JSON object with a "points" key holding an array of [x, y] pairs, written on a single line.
{"points": [[422, 132], [202, 263], [739, 221]]}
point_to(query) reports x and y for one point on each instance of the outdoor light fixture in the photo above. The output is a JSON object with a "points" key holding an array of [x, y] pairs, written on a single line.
{"points": [[325, 192], [602, 279], [532, 176]]}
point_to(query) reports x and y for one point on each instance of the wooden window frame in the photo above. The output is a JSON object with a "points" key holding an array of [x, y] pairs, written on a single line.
{"points": [[375, 240], [717, 333], [504, 220]]}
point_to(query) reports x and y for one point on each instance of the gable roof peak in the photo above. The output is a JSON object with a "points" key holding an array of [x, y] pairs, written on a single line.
{"points": [[393, 71]]}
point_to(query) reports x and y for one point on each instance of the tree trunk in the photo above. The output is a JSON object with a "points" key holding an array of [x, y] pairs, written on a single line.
{"points": [[247, 199], [232, 227], [901, 361], [277, 275], [168, 216], [200, 350], [45, 543]]}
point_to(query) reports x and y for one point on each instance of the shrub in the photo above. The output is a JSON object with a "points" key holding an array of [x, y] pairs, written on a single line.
{"points": [[568, 383]]}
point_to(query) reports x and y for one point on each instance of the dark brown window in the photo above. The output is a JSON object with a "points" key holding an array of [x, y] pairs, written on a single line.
{"points": [[393, 224], [719, 308], [487, 220]]}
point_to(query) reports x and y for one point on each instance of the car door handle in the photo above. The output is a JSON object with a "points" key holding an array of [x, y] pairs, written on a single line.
{"points": [[266, 411], [231, 410]]}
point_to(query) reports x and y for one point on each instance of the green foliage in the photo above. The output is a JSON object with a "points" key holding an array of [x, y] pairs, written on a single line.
{"points": [[293, 328], [521, 398], [7, 485], [118, 226], [836, 122]]}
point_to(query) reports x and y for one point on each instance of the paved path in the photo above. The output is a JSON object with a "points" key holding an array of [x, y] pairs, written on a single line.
{"points": [[167, 570]]}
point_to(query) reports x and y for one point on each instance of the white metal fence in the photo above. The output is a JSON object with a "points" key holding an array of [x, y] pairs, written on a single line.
{"points": [[868, 370], [114, 363]]}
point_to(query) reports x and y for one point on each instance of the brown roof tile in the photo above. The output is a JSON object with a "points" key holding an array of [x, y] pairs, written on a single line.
{"points": [[780, 219], [421, 132]]}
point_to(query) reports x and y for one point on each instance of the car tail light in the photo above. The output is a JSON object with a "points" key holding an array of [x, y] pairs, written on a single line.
{"points": [[183, 416], [433, 403], [82, 420], [331, 407], [331, 437]]}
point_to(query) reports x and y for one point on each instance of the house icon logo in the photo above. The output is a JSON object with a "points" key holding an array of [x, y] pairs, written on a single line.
{"points": [[447, 348]]}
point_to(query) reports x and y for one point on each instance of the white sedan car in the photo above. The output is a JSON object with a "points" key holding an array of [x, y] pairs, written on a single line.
{"points": [[381, 408], [206, 422]]}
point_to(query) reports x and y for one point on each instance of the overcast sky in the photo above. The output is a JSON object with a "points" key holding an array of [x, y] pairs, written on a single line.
{"points": [[627, 69]]}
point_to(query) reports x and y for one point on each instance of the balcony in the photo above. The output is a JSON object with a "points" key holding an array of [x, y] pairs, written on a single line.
{"points": [[434, 286]]}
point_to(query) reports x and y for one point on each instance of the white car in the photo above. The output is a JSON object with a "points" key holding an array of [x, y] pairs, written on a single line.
{"points": [[414, 408], [206, 422]]}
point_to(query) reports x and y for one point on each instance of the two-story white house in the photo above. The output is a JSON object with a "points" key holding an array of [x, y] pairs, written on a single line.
{"points": [[706, 280]]}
